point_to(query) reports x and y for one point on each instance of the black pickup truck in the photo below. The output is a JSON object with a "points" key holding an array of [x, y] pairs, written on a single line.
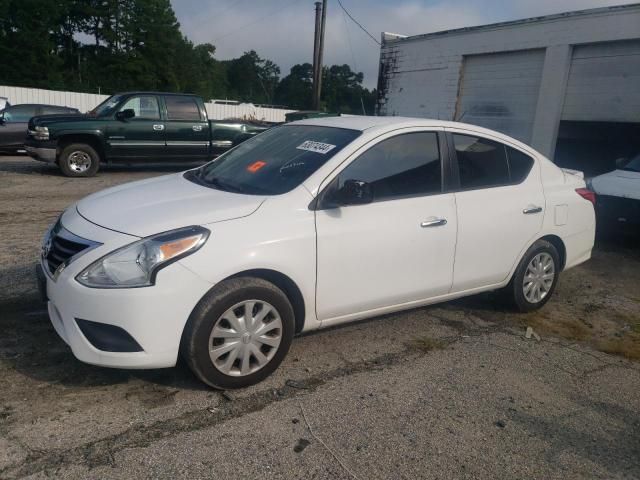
{"points": [[146, 127]]}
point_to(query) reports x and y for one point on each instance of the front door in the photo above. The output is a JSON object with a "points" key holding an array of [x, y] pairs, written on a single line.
{"points": [[187, 129], [141, 137], [397, 249], [500, 206]]}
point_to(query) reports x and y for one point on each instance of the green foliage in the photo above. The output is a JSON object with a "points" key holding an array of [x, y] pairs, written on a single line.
{"points": [[119, 45]]}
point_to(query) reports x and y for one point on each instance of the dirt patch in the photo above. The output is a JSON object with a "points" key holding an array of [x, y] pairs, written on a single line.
{"points": [[427, 344]]}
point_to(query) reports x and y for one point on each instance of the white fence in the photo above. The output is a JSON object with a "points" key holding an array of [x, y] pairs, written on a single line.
{"points": [[216, 109]]}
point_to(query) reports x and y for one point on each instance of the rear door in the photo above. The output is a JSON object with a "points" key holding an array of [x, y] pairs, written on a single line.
{"points": [[187, 128], [140, 137], [500, 206], [13, 130]]}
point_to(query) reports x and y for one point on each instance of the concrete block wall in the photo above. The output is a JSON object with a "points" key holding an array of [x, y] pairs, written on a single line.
{"points": [[420, 75]]}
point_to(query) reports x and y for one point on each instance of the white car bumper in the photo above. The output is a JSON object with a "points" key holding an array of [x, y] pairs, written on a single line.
{"points": [[153, 317]]}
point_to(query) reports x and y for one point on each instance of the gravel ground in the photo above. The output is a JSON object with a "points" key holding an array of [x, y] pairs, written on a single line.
{"points": [[450, 391]]}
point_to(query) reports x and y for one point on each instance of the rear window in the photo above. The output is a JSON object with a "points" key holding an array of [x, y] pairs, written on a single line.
{"points": [[275, 161], [182, 108]]}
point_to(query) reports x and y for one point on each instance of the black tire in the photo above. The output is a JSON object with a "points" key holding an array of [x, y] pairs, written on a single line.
{"points": [[514, 291], [66, 163], [196, 336]]}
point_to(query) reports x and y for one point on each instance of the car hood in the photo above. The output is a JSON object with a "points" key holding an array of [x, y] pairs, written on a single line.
{"points": [[164, 203], [44, 120], [619, 183]]}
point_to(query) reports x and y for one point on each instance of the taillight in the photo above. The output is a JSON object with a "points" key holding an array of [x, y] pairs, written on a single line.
{"points": [[587, 194]]}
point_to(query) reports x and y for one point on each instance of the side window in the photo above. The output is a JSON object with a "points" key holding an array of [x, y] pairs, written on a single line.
{"points": [[182, 108], [407, 165], [146, 107], [481, 162], [19, 113], [519, 165]]}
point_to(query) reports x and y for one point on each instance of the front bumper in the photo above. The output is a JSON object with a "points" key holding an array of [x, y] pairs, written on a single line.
{"points": [[43, 151], [152, 316]]}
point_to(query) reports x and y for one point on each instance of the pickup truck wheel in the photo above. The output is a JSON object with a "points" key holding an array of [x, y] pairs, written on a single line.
{"points": [[79, 160], [238, 333], [535, 279]]}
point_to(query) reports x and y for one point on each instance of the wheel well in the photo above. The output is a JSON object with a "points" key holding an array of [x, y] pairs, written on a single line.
{"points": [[86, 139], [285, 284], [559, 244]]}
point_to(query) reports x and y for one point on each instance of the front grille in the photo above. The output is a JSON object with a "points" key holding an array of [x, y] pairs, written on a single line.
{"points": [[61, 246]]}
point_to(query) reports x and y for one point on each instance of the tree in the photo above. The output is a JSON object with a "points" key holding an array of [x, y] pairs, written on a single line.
{"points": [[120, 45], [295, 89], [252, 79]]}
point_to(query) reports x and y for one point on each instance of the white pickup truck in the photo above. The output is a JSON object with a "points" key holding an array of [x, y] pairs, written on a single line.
{"points": [[618, 195]]}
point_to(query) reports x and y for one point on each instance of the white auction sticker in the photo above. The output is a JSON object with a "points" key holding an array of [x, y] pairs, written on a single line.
{"points": [[317, 147]]}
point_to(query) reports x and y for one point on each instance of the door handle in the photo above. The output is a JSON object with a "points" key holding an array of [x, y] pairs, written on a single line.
{"points": [[158, 127], [532, 209], [197, 128], [436, 222]]}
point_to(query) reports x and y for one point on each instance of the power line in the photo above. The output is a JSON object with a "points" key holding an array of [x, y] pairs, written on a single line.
{"points": [[358, 23], [255, 21]]}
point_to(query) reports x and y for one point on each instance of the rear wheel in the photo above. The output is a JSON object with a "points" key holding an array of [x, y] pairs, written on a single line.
{"points": [[239, 333], [79, 160], [536, 277]]}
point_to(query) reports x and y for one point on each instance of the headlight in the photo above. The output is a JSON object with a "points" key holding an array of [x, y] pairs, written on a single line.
{"points": [[40, 133], [137, 264]]}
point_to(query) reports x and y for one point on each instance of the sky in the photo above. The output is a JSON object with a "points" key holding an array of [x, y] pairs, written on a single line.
{"points": [[282, 30]]}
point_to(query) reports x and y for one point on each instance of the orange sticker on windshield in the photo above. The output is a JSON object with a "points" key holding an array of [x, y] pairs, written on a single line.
{"points": [[255, 166]]}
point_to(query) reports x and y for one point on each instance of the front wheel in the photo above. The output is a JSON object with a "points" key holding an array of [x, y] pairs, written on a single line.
{"points": [[536, 277], [79, 160], [238, 333]]}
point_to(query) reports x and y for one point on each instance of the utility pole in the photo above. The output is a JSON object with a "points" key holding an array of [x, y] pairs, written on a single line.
{"points": [[318, 48]]}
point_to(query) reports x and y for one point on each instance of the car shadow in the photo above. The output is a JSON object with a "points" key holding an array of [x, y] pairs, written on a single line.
{"points": [[31, 347], [25, 165]]}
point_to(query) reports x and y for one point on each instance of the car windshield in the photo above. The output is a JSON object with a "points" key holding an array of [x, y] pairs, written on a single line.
{"points": [[106, 107], [633, 165], [273, 162]]}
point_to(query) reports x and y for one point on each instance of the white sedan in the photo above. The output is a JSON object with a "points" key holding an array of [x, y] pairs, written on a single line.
{"points": [[308, 225]]}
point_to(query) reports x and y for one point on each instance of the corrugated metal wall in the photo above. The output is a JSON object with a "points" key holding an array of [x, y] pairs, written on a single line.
{"points": [[500, 91], [86, 101], [82, 101], [604, 83]]}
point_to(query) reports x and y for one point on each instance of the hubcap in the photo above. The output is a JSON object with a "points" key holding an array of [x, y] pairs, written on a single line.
{"points": [[245, 338], [79, 161], [538, 278]]}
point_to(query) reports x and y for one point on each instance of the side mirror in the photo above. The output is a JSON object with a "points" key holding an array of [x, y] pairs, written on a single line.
{"points": [[621, 162], [126, 114], [354, 192]]}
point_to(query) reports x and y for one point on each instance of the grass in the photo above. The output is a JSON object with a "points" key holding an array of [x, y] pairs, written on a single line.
{"points": [[628, 346], [616, 333], [426, 344]]}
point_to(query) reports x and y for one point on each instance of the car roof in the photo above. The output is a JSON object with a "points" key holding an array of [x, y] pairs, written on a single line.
{"points": [[39, 105], [363, 123], [157, 93]]}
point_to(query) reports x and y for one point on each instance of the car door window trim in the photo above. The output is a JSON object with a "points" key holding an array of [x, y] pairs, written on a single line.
{"points": [[445, 167], [456, 168]]}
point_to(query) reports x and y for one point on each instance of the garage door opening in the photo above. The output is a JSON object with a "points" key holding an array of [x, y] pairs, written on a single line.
{"points": [[593, 147]]}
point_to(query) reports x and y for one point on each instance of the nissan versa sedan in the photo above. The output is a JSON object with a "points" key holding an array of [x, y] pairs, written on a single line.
{"points": [[308, 225]]}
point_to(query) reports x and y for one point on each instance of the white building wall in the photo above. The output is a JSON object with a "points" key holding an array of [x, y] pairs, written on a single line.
{"points": [[420, 75], [87, 101]]}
